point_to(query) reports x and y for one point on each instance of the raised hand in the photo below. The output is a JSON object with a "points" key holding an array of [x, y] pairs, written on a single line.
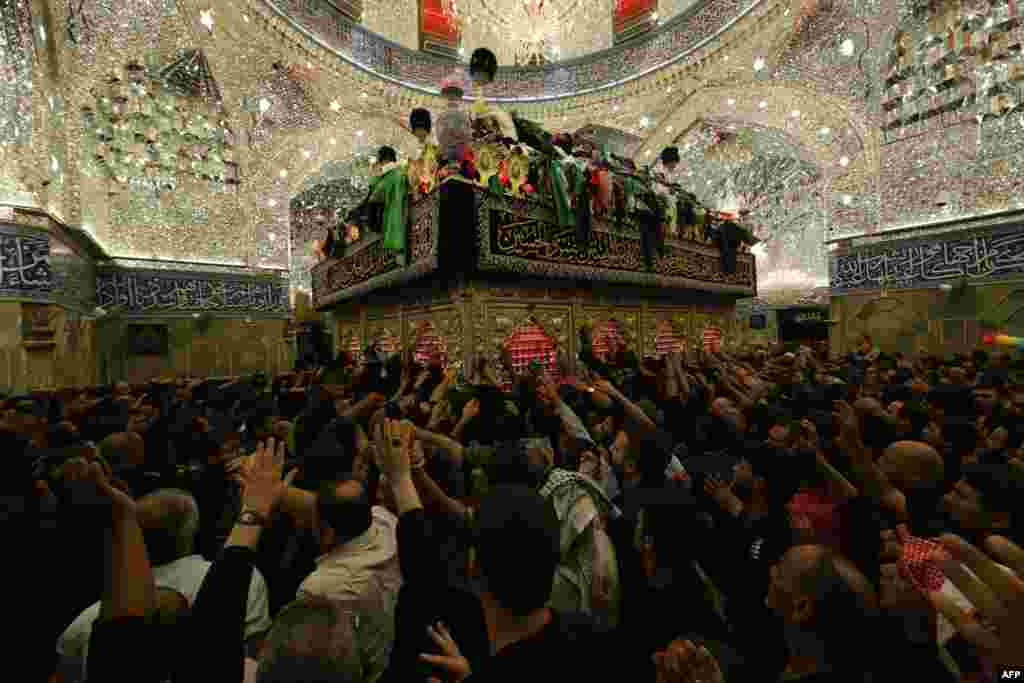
{"points": [[606, 387], [471, 409], [260, 476], [997, 625], [417, 459], [721, 492], [395, 442], [438, 413], [452, 660], [422, 379]]}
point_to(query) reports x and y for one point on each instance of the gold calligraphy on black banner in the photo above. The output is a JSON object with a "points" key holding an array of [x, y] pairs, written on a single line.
{"points": [[535, 239]]}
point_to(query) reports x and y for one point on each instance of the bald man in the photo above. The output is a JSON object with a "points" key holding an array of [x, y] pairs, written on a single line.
{"points": [[913, 474], [169, 519], [822, 598]]}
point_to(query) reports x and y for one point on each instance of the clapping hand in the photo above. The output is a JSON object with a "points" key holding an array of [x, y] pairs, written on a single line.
{"points": [[452, 660], [684, 662]]}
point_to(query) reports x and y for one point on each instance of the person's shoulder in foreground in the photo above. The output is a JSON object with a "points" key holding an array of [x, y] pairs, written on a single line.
{"points": [[570, 647]]}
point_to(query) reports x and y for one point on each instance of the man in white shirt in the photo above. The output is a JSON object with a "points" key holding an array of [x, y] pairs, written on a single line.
{"points": [[359, 571], [169, 519]]}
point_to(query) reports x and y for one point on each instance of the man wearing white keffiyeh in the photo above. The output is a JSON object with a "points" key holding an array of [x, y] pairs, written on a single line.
{"points": [[587, 579]]}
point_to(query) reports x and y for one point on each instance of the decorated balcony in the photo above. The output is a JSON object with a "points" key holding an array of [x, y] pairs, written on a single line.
{"points": [[460, 229]]}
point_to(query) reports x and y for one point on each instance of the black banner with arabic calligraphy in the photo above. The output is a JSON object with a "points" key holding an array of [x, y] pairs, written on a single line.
{"points": [[523, 237], [981, 257], [25, 265], [157, 292]]}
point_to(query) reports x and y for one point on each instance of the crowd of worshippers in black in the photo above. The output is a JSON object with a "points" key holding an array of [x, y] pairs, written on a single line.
{"points": [[760, 514]]}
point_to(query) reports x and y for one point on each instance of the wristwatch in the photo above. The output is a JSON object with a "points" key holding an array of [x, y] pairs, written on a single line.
{"points": [[250, 518]]}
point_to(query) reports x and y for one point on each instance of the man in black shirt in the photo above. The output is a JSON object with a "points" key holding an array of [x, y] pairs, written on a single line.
{"points": [[508, 633]]}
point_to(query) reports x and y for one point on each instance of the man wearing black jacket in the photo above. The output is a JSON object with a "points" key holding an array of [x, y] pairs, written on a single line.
{"points": [[508, 633]]}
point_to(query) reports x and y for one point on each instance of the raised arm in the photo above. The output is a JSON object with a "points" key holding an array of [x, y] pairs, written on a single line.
{"points": [[870, 478], [117, 644], [634, 414], [455, 449], [433, 496], [364, 408], [219, 614]]}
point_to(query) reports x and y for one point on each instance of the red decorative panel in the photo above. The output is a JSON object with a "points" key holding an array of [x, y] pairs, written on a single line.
{"points": [[633, 17], [430, 347], [531, 343], [438, 32], [606, 336], [712, 339], [666, 339]]}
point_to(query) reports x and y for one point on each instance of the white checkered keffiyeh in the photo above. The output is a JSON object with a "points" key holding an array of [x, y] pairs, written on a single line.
{"points": [[565, 489]]}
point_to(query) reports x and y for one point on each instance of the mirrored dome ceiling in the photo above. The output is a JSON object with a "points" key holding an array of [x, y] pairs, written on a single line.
{"points": [[546, 48], [527, 32]]}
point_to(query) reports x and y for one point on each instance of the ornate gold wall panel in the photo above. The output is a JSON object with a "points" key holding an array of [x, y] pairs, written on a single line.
{"points": [[348, 334], [498, 319], [386, 327], [479, 317], [503, 318], [628, 318], [447, 324], [249, 356]]}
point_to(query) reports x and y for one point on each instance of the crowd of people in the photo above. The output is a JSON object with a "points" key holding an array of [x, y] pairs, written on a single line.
{"points": [[760, 514]]}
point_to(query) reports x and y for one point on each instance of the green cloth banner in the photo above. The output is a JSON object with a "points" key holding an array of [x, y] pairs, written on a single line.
{"points": [[392, 190], [566, 216]]}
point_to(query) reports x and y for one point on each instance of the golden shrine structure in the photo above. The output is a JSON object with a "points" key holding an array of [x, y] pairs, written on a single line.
{"points": [[485, 267]]}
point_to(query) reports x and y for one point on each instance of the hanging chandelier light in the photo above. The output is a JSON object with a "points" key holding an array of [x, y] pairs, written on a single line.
{"points": [[525, 31]]}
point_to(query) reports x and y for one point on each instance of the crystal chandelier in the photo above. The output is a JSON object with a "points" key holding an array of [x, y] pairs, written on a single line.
{"points": [[527, 31]]}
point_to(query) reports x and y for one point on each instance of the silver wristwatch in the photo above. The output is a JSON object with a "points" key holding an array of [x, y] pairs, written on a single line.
{"points": [[250, 518]]}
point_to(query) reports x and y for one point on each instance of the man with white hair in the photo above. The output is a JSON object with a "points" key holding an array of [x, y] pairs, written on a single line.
{"points": [[169, 519], [313, 639]]}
